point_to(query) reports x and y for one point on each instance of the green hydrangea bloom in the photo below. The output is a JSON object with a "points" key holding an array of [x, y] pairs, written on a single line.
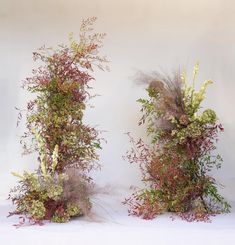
{"points": [[193, 130], [73, 209], [54, 192], [37, 210], [208, 116], [60, 217]]}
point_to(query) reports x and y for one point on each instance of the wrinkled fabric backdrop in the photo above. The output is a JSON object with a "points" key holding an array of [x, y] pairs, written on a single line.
{"points": [[142, 35]]}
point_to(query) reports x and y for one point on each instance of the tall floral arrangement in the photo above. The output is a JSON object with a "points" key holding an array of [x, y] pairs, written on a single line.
{"points": [[61, 187], [176, 164]]}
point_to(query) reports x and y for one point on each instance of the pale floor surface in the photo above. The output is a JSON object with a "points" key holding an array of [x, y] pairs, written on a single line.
{"points": [[113, 226]]}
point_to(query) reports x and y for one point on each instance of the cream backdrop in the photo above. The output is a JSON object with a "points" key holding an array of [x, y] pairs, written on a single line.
{"points": [[141, 35]]}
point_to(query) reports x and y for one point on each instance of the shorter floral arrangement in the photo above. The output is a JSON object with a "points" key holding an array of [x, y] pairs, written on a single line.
{"points": [[176, 164]]}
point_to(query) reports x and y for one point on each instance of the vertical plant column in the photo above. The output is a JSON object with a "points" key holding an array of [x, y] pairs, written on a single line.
{"points": [[61, 187], [176, 164]]}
